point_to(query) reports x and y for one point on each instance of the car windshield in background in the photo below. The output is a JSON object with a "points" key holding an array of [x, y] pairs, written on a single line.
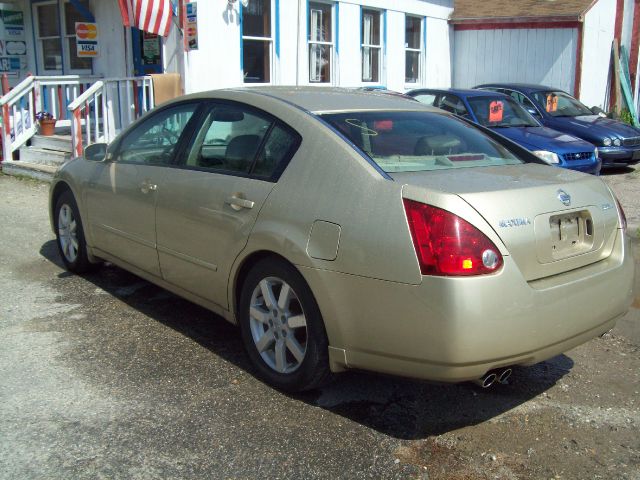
{"points": [[419, 141], [500, 112], [559, 104]]}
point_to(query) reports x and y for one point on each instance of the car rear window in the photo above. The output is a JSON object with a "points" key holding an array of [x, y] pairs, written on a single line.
{"points": [[409, 141]]}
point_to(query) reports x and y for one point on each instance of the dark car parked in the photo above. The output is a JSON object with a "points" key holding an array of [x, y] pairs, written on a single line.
{"points": [[617, 142], [506, 116]]}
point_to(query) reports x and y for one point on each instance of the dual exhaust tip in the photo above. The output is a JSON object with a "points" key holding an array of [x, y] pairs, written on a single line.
{"points": [[495, 376]]}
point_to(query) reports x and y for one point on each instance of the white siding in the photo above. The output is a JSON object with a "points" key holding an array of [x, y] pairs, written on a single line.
{"points": [[217, 63], [599, 25], [439, 53], [544, 56]]}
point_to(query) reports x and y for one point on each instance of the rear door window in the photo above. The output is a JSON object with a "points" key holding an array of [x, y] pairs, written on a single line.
{"points": [[240, 140]]}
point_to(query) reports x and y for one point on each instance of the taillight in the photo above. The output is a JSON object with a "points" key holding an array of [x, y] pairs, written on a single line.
{"points": [[447, 245]]}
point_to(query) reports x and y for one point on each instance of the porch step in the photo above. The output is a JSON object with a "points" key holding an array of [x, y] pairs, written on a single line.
{"points": [[33, 170], [61, 143], [43, 156]]}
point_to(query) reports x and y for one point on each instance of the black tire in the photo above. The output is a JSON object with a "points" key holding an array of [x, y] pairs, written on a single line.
{"points": [[313, 370], [78, 263]]}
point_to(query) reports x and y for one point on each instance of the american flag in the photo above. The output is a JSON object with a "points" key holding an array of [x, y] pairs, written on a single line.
{"points": [[153, 16]]}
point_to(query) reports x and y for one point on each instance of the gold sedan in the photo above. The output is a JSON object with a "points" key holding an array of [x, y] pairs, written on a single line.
{"points": [[343, 229]]}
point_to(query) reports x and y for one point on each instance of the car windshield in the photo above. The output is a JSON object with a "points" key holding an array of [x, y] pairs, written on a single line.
{"points": [[500, 112], [411, 141], [560, 104]]}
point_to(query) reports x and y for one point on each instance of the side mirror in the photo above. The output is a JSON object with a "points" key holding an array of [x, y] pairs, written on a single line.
{"points": [[598, 111], [96, 152]]}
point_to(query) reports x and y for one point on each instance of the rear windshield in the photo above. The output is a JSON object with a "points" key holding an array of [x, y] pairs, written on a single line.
{"points": [[419, 141]]}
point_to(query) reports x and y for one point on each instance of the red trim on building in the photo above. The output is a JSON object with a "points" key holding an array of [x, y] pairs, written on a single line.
{"points": [[513, 26], [635, 43], [578, 78], [617, 32]]}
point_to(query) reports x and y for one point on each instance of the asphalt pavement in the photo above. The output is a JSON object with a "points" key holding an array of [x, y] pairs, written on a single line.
{"points": [[108, 376]]}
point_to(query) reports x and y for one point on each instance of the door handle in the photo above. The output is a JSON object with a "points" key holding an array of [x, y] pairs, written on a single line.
{"points": [[238, 203], [146, 186]]}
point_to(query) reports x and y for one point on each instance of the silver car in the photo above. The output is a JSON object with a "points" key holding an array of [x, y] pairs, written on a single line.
{"points": [[343, 229]]}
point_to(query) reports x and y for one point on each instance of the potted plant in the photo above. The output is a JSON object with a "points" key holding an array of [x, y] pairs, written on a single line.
{"points": [[47, 123]]}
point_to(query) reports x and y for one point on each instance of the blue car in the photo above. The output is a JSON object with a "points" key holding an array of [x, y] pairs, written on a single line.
{"points": [[503, 114], [617, 142]]}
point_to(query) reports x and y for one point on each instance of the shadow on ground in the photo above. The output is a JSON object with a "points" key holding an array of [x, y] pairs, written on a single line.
{"points": [[401, 408]]}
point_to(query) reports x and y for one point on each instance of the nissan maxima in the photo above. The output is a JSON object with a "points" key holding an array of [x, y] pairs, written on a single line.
{"points": [[352, 230]]}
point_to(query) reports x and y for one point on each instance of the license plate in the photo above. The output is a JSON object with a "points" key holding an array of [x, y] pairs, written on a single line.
{"points": [[571, 233], [636, 155]]}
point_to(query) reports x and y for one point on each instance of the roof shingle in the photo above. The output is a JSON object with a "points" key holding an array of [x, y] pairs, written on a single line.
{"points": [[520, 9]]}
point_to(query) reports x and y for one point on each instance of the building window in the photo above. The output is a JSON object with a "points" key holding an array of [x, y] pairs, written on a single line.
{"points": [[48, 36], [412, 48], [257, 41], [71, 16], [320, 42], [56, 37], [371, 46]]}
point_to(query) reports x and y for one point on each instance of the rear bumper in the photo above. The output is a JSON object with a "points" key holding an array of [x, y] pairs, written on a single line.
{"points": [[456, 329]]}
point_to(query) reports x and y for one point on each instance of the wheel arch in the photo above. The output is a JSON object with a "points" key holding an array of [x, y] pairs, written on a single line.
{"points": [[56, 191], [243, 268]]}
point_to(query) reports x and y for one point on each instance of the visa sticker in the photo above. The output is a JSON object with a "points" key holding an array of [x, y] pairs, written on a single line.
{"points": [[552, 102]]}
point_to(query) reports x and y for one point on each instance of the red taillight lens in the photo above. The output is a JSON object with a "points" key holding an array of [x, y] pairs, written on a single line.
{"points": [[448, 245]]}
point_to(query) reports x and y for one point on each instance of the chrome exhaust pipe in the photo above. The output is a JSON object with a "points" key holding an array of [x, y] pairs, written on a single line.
{"points": [[486, 380], [504, 375]]}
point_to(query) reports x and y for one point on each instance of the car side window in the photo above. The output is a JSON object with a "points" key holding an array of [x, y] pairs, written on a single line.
{"points": [[521, 99], [238, 139], [426, 98], [278, 148], [154, 141], [453, 104], [228, 140]]}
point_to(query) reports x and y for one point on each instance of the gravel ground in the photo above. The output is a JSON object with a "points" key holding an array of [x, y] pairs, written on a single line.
{"points": [[108, 376]]}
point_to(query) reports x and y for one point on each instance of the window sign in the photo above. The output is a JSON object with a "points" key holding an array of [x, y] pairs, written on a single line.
{"points": [[13, 23], [191, 26], [87, 40], [13, 47], [150, 48]]}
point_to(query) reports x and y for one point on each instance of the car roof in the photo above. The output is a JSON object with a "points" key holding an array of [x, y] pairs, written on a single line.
{"points": [[324, 99], [530, 87], [463, 92]]}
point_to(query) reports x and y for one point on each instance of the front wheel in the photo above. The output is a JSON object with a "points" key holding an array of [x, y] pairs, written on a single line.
{"points": [[70, 235], [282, 329]]}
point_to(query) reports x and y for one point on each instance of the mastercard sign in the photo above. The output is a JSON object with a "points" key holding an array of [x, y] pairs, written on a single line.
{"points": [[87, 39]]}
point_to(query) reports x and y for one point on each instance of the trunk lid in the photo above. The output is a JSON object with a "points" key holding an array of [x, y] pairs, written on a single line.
{"points": [[551, 220]]}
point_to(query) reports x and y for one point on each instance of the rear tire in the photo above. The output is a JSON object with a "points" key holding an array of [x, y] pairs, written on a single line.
{"points": [[282, 328], [70, 235]]}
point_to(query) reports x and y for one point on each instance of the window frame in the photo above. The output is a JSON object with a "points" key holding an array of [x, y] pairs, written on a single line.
{"points": [[379, 47], [331, 44], [270, 40], [187, 143], [420, 80]]}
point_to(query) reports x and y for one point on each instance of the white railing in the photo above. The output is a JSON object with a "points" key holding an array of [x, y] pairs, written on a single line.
{"points": [[106, 108], [35, 94]]}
